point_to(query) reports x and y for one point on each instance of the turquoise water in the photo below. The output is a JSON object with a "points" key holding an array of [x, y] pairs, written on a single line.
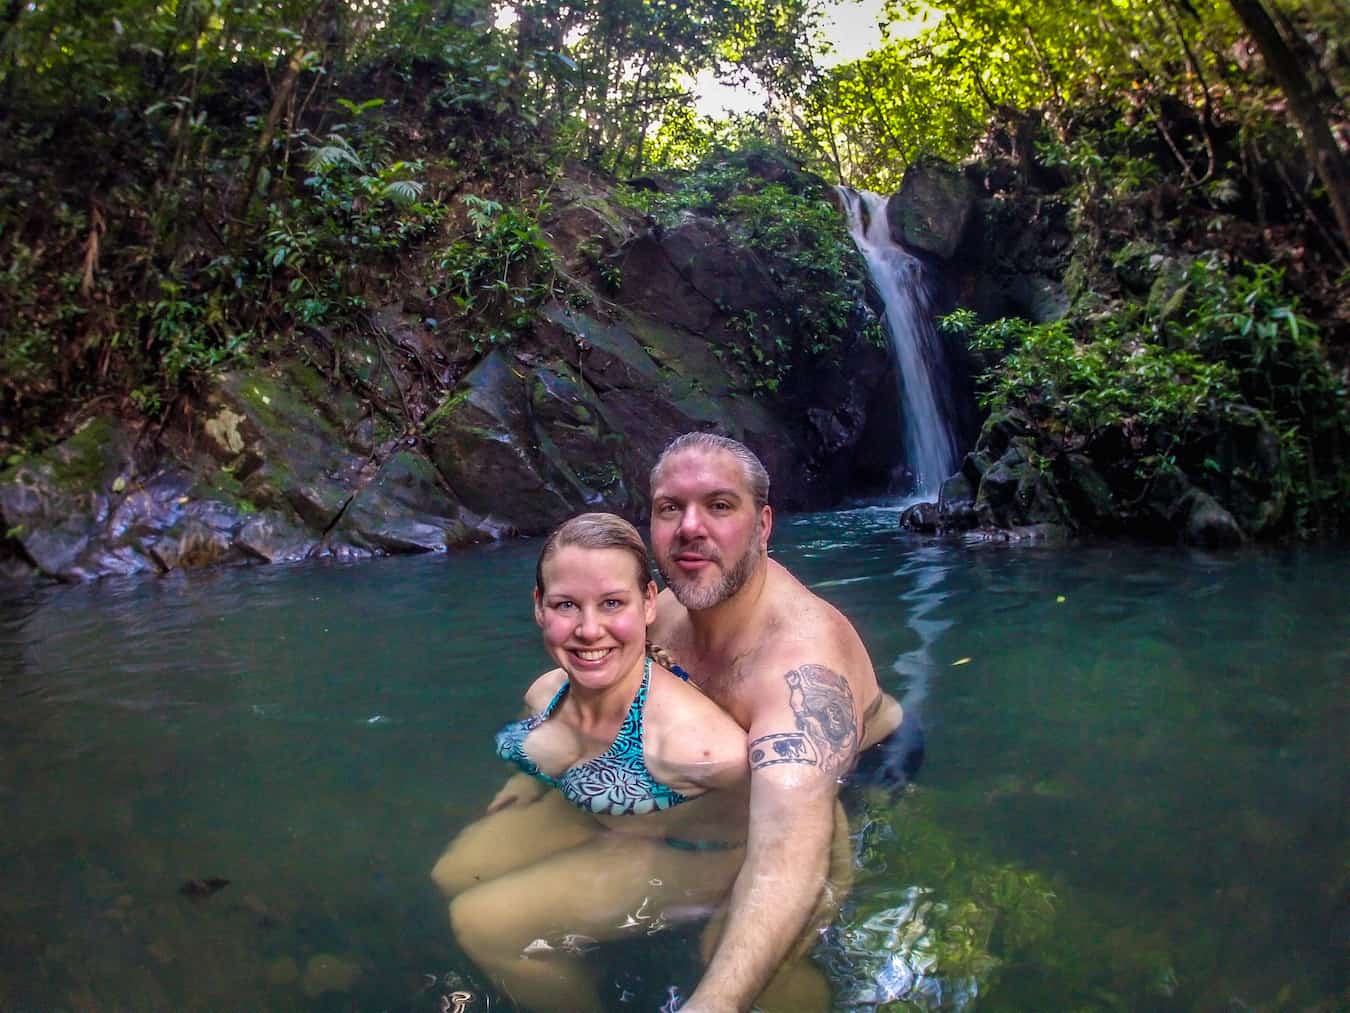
{"points": [[1134, 796]]}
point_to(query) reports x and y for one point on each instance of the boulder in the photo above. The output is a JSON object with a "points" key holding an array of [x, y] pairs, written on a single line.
{"points": [[281, 432], [693, 275], [1207, 524], [956, 503], [932, 209], [921, 517], [482, 441], [272, 537], [405, 508], [1240, 463], [1085, 493], [190, 544]]}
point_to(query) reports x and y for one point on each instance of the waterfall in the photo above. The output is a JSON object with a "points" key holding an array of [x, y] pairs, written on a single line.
{"points": [[921, 370]]}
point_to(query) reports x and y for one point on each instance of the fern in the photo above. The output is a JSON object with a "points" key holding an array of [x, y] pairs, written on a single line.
{"points": [[337, 151], [402, 192]]}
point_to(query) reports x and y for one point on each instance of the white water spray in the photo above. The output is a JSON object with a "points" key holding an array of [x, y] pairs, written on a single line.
{"points": [[920, 363]]}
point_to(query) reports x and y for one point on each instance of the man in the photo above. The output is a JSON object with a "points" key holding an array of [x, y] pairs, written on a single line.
{"points": [[788, 667]]}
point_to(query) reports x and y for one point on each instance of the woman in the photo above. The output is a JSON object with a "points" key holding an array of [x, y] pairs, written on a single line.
{"points": [[645, 826]]}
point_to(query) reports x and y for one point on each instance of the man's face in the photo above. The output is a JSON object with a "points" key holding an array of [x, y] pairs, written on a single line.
{"points": [[707, 535]]}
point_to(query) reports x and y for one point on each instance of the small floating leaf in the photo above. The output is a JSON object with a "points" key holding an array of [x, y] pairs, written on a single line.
{"points": [[960, 661], [1060, 599]]}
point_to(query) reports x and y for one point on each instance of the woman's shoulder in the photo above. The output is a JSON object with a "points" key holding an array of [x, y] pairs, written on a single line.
{"points": [[544, 688], [688, 738], [675, 701]]}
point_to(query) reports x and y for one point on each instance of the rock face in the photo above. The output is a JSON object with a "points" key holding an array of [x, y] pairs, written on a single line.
{"points": [[389, 441], [1020, 479]]}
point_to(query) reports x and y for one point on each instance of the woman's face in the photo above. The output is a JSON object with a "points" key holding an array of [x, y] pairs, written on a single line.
{"points": [[594, 614]]}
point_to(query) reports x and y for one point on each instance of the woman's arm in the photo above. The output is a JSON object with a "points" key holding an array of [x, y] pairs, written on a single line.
{"points": [[519, 789]]}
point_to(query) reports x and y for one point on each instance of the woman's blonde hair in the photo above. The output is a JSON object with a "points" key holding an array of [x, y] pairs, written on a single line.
{"points": [[601, 531], [595, 531]]}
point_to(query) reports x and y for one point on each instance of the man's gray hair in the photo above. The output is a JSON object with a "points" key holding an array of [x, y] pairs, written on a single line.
{"points": [[756, 477]]}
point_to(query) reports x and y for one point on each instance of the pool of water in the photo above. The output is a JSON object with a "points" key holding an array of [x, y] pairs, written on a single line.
{"points": [[1134, 795]]}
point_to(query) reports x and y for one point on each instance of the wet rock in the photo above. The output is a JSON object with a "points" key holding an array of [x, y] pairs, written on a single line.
{"points": [[1208, 525], [580, 439], [1240, 462], [932, 209], [406, 508], [273, 537], [1040, 534], [191, 544], [922, 517], [56, 505], [1086, 493], [287, 453], [483, 442], [956, 503]]}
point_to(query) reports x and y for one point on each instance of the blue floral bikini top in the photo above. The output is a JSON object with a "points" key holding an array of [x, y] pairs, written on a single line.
{"points": [[615, 783]]}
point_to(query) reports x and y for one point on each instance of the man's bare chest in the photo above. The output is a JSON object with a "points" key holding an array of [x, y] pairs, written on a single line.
{"points": [[724, 682]]}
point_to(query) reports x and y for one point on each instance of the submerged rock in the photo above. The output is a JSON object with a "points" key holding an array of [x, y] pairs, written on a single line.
{"points": [[325, 972]]}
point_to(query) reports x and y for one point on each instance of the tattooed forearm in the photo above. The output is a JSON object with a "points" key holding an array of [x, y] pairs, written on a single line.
{"points": [[823, 704]]}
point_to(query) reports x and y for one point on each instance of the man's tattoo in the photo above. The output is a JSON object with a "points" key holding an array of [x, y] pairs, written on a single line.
{"points": [[823, 704], [782, 747]]}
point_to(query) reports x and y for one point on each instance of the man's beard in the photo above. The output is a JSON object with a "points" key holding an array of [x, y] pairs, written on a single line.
{"points": [[689, 594]]}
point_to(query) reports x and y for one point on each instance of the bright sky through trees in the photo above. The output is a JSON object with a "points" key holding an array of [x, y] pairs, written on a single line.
{"points": [[853, 31]]}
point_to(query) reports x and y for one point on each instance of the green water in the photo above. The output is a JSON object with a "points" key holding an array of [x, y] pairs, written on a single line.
{"points": [[1134, 796]]}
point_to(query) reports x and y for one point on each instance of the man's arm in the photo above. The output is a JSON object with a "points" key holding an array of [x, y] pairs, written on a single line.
{"points": [[799, 746]]}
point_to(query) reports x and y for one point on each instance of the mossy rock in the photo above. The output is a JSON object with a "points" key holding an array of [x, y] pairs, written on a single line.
{"points": [[1137, 264], [406, 508], [932, 209], [485, 446], [54, 504]]}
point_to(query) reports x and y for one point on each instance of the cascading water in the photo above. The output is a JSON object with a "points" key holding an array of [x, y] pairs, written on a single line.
{"points": [[921, 368]]}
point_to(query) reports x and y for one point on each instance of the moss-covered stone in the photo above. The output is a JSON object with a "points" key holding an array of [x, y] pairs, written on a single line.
{"points": [[932, 209]]}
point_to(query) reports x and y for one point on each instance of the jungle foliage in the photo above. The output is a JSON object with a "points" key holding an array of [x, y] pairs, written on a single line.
{"points": [[933, 91], [186, 184], [1226, 340]]}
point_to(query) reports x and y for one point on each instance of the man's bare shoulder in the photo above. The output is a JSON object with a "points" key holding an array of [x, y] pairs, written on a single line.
{"points": [[807, 627]]}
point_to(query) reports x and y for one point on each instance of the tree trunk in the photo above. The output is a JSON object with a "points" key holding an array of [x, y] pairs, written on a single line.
{"points": [[279, 102], [1328, 160]]}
